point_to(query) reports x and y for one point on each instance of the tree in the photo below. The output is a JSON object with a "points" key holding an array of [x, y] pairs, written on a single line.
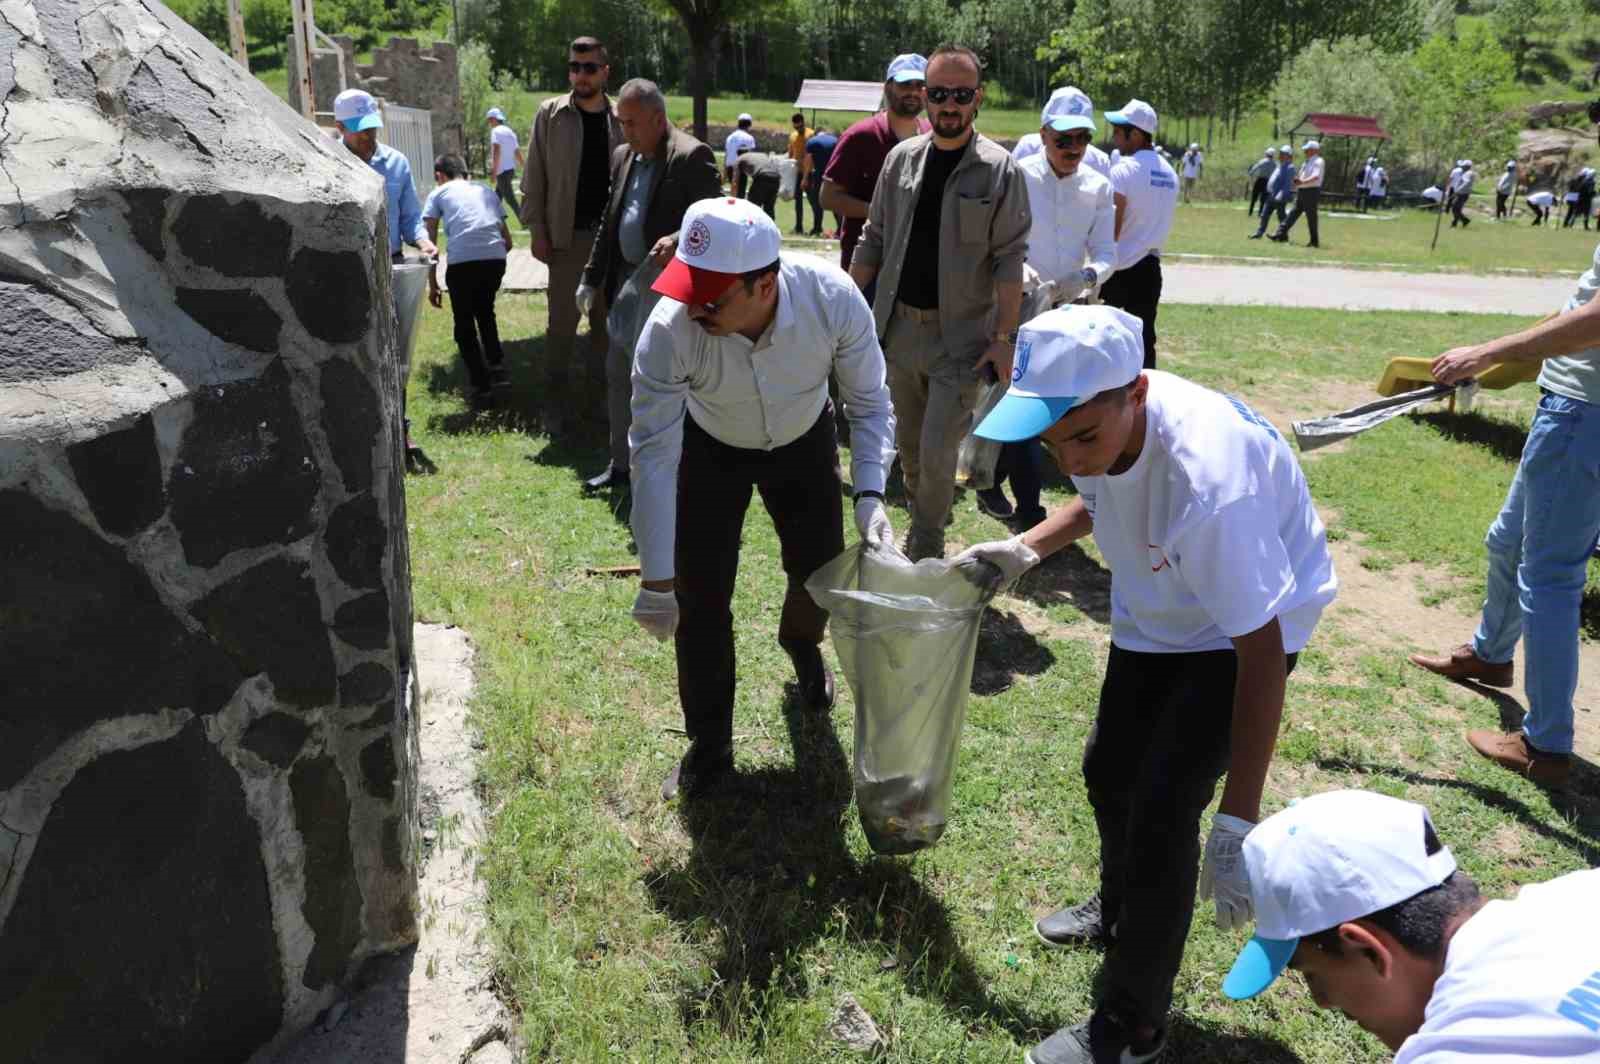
{"points": [[1455, 94], [1349, 76], [1520, 24], [703, 21]]}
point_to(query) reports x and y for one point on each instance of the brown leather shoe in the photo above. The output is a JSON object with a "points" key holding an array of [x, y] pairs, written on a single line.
{"points": [[1511, 750], [1463, 664]]}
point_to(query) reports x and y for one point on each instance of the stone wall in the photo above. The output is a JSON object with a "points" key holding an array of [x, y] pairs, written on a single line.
{"points": [[207, 730], [402, 72]]}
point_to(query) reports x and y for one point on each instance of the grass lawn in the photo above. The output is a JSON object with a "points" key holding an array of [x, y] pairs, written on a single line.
{"points": [[625, 929]]}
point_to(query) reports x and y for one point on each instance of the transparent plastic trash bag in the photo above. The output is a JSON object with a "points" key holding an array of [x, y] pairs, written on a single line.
{"points": [[906, 635], [410, 282]]}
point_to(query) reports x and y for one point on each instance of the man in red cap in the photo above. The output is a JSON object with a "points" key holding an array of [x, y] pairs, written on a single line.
{"points": [[730, 396]]}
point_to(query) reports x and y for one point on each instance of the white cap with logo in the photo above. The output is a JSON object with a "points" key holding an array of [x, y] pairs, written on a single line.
{"points": [[356, 110], [1134, 113], [1324, 861], [721, 238], [907, 67], [1065, 357], [1068, 108]]}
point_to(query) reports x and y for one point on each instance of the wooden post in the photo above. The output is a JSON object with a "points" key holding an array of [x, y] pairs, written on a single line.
{"points": [[241, 53], [304, 20]]}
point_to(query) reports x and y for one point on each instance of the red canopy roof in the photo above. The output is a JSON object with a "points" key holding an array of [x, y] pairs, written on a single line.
{"points": [[1329, 125]]}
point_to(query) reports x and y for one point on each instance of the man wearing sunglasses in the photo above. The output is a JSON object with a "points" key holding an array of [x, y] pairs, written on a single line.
{"points": [[945, 240], [564, 181], [1145, 190], [730, 397]]}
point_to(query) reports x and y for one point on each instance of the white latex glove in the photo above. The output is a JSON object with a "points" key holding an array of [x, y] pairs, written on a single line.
{"points": [[656, 612], [872, 521], [1223, 875], [585, 296], [1009, 558]]}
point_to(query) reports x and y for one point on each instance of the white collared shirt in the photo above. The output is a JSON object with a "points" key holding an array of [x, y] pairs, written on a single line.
{"points": [[1074, 221], [758, 396]]}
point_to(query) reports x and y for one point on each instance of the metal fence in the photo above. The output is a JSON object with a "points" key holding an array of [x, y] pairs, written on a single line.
{"points": [[409, 131]]}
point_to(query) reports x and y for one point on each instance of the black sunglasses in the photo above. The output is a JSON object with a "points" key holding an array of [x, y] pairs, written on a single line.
{"points": [[939, 94], [1067, 140], [576, 67]]}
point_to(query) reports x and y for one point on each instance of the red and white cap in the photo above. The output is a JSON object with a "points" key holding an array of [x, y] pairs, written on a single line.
{"points": [[721, 238]]}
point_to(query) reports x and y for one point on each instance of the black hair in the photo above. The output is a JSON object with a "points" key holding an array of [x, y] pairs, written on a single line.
{"points": [[961, 50], [585, 45], [451, 166], [1418, 923], [750, 277], [744, 123], [798, 115]]}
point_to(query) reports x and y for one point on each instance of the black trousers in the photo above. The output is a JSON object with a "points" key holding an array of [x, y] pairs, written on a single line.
{"points": [[1019, 463], [473, 286], [1137, 290], [800, 487], [800, 203], [814, 194], [1500, 204], [505, 186], [1159, 744], [1305, 202], [1457, 205], [1258, 194], [1540, 214], [764, 193]]}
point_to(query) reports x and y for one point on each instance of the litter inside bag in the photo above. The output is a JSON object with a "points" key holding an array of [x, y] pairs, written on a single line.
{"points": [[906, 635], [976, 458]]}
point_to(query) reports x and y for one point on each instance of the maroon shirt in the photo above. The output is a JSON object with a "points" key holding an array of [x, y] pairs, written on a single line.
{"points": [[857, 161]]}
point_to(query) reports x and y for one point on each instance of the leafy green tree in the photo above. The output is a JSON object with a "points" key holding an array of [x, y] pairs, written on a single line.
{"points": [[1456, 95], [704, 21], [1347, 76], [268, 21], [1521, 25]]}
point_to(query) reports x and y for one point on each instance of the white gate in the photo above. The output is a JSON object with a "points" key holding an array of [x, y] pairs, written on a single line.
{"points": [[409, 131]]}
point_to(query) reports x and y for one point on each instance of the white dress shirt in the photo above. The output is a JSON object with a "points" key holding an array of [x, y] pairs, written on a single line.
{"points": [[758, 396], [1074, 222]]}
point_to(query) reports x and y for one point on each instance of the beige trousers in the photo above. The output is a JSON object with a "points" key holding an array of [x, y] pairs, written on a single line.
{"points": [[566, 273]]}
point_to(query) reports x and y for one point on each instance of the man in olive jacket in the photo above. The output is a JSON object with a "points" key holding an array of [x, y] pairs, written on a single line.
{"points": [[655, 176]]}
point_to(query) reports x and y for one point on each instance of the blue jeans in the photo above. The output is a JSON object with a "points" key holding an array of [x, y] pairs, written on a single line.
{"points": [[1539, 551]]}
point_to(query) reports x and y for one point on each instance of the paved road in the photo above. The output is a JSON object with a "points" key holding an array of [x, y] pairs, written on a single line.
{"points": [[1283, 286]]}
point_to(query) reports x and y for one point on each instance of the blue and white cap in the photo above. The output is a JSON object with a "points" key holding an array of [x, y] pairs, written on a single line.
{"points": [[1322, 862], [1065, 357], [496, 114], [907, 67], [356, 110], [1068, 108], [1134, 113]]}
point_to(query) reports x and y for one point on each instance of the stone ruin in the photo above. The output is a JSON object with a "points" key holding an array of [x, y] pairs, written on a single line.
{"points": [[402, 72], [208, 740]]}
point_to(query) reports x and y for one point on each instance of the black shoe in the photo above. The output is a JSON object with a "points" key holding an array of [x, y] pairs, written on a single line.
{"points": [[816, 233], [1313, 244], [1256, 236], [481, 398], [993, 502], [1082, 924], [1026, 519], [1100, 1039], [1278, 238], [698, 773], [812, 674], [612, 478]]}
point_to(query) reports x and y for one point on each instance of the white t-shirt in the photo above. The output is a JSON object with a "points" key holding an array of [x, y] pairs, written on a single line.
{"points": [[1543, 198], [737, 144], [506, 137], [1151, 189], [1211, 533], [1521, 981], [470, 215], [1310, 172], [1378, 182], [1191, 164]]}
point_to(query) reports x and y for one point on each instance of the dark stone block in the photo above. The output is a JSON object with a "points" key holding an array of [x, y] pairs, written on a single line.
{"points": [[332, 904], [143, 927], [365, 684], [277, 738], [120, 474], [84, 637], [354, 540], [235, 239], [269, 619], [45, 337], [236, 315], [378, 768], [146, 212], [244, 476], [384, 714], [164, 103], [394, 858], [364, 622], [331, 294], [352, 420]]}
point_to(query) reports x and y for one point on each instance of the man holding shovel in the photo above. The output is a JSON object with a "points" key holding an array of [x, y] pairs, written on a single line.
{"points": [[1219, 572]]}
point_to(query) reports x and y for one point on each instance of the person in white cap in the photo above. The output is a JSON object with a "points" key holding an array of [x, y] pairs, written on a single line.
{"points": [[739, 141], [1067, 100], [359, 121], [1503, 189], [1356, 892], [505, 155], [1364, 182], [1258, 173], [730, 396], [852, 172], [1219, 573], [1193, 163], [1280, 186], [1145, 191], [1459, 193], [1307, 194], [1377, 185]]}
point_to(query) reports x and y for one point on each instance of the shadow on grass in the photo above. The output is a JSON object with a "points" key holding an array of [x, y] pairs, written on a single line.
{"points": [[1201, 1042], [1502, 438], [1006, 650], [771, 876], [1073, 578]]}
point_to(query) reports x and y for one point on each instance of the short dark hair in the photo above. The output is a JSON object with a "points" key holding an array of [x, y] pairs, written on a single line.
{"points": [[451, 166], [962, 50], [585, 45], [797, 117], [1419, 922], [744, 123], [750, 277]]}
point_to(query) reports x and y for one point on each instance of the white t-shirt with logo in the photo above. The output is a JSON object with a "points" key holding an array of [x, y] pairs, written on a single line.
{"points": [[1210, 533], [506, 137], [1521, 981], [738, 142], [1150, 187]]}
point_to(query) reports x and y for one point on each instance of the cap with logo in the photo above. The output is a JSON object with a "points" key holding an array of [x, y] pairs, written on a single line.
{"points": [[355, 110], [721, 238], [1134, 113], [1324, 861], [496, 114], [1065, 357], [1311, 145], [907, 67], [1068, 108]]}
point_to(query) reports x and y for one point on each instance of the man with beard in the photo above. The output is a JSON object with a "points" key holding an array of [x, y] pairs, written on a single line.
{"points": [[730, 396], [857, 159], [945, 239], [359, 121]]}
